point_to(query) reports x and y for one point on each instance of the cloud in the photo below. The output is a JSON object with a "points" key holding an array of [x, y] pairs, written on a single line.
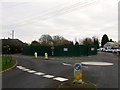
{"points": [[31, 20]]}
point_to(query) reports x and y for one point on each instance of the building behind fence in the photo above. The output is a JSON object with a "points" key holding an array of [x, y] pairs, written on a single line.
{"points": [[63, 50]]}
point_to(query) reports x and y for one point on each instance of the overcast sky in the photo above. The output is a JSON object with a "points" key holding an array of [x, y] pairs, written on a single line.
{"points": [[68, 18]]}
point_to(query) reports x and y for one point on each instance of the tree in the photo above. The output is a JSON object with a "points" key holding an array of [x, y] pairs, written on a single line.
{"points": [[76, 43], [80, 41], [111, 40], [96, 41], [104, 40], [34, 43], [59, 40], [71, 43], [45, 40], [87, 41]]}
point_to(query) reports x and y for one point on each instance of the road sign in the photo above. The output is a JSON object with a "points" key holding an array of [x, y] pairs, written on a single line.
{"points": [[77, 66], [52, 47], [65, 49], [78, 72]]}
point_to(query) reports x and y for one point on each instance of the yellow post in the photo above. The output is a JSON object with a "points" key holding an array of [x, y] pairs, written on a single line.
{"points": [[117, 53], [46, 56], [78, 73], [35, 54]]}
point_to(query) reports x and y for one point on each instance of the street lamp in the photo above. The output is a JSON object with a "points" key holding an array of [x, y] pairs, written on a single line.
{"points": [[52, 50], [52, 44]]}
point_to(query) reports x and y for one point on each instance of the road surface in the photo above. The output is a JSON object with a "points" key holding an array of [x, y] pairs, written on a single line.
{"points": [[41, 73]]}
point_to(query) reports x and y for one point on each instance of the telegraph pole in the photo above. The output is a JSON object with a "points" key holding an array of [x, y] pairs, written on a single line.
{"points": [[12, 34]]}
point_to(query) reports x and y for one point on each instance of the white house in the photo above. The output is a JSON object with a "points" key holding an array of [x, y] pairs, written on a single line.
{"points": [[110, 45]]}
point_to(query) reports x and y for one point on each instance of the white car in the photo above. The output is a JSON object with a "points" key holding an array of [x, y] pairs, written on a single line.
{"points": [[118, 50]]}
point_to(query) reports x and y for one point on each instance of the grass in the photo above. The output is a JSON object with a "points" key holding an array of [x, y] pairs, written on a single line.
{"points": [[71, 84], [77, 85], [6, 62]]}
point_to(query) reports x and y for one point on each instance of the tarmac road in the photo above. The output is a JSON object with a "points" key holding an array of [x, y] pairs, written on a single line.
{"points": [[41, 73]]}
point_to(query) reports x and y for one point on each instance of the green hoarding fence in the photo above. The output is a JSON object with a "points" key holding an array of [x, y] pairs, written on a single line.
{"points": [[70, 50], [63, 50], [92, 49], [41, 50]]}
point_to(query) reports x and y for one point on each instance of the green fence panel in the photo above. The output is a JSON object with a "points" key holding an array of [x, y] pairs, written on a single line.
{"points": [[67, 51], [71, 50], [92, 49], [83, 50], [41, 50]]}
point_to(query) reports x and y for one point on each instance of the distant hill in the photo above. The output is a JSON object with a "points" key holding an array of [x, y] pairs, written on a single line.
{"points": [[12, 46]]}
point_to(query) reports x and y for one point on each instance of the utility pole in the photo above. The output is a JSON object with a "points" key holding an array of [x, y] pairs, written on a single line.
{"points": [[12, 34]]}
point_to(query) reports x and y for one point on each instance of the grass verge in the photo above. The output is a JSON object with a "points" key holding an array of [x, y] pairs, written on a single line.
{"points": [[6, 62], [77, 85]]}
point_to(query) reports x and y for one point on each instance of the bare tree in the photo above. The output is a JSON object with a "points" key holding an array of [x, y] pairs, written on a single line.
{"points": [[87, 41], [96, 41], [59, 40], [80, 41], [45, 40], [34, 43]]}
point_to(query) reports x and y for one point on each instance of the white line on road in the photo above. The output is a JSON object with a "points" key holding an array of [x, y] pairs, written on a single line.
{"points": [[60, 79], [67, 64], [32, 71], [39, 73], [20, 67], [48, 76], [25, 69], [85, 66], [97, 63], [42, 74], [91, 63]]}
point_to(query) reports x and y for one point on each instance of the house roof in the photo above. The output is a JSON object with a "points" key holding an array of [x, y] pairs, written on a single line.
{"points": [[12, 42], [113, 43]]}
